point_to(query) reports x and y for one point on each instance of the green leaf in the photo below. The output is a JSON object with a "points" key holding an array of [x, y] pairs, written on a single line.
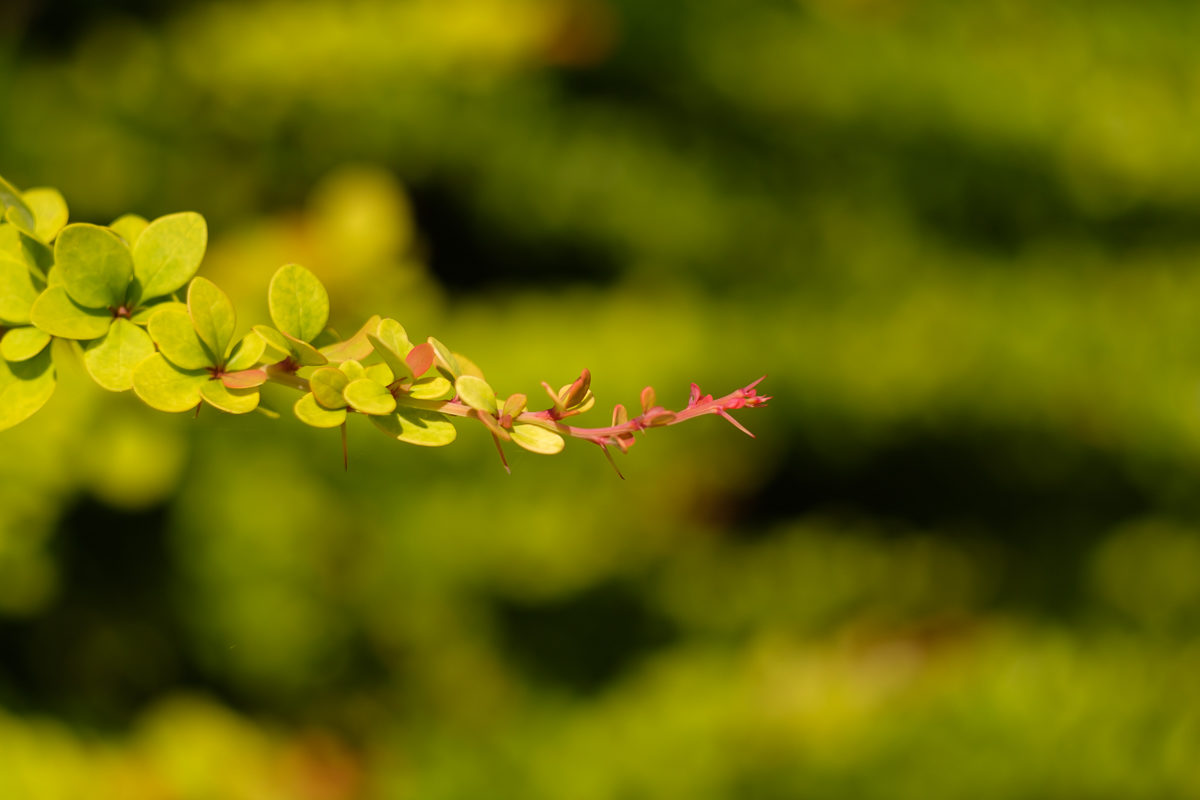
{"points": [[144, 313], [246, 353], [391, 358], [415, 426], [477, 394], [445, 358], [327, 384], [352, 370], [172, 330], [49, 209], [537, 439], [433, 388], [305, 354], [392, 334], [57, 314], [276, 345], [164, 386], [18, 291], [168, 252], [369, 397], [111, 360], [15, 209], [357, 347], [231, 401], [129, 227], [212, 314], [298, 303], [380, 373], [24, 388], [22, 344], [37, 255], [94, 264], [310, 413]]}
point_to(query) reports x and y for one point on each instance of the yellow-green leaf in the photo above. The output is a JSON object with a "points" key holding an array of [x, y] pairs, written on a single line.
{"points": [[309, 412], [231, 401], [167, 253], [18, 291], [129, 227], [111, 360], [211, 312], [414, 426], [176, 337], [25, 387], [94, 264], [327, 384], [476, 393], [297, 302], [369, 397], [164, 386], [57, 314], [22, 344], [537, 439], [49, 209]]}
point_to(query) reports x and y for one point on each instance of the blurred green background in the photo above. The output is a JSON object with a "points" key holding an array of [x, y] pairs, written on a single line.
{"points": [[961, 560]]}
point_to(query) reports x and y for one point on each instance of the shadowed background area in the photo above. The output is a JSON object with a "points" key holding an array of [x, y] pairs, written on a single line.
{"points": [[961, 559]]}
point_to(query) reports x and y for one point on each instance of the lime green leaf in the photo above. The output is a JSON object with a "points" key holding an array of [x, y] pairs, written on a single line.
{"points": [[514, 405], [129, 227], [477, 394], [37, 255], [246, 353], [24, 388], [57, 314], [164, 386], [17, 291], [22, 344], [537, 439], [276, 345], [433, 388], [468, 366], [111, 360], [168, 252], [352, 370], [297, 302], [232, 401], [15, 209], [392, 334], [172, 330], [49, 209], [380, 373], [445, 358], [369, 397], [357, 347], [305, 354], [144, 313], [425, 428], [327, 384], [393, 359], [310, 413], [95, 265], [211, 313]]}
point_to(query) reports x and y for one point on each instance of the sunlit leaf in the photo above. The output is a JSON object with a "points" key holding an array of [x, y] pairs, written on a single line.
{"points": [[244, 379], [305, 354], [446, 358], [17, 291], [232, 401], [21, 344], [25, 386], [311, 413], [380, 373], [246, 353], [369, 397], [391, 357], [431, 388], [352, 370], [211, 312], [168, 252], [129, 227], [164, 386], [173, 332], [476, 393], [414, 426], [277, 345], [144, 313], [327, 384], [298, 303], [357, 347], [57, 314], [95, 265], [49, 209], [111, 360], [536, 439], [392, 334], [16, 211]]}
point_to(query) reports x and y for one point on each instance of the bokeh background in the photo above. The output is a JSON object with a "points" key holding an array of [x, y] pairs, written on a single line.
{"points": [[961, 559]]}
